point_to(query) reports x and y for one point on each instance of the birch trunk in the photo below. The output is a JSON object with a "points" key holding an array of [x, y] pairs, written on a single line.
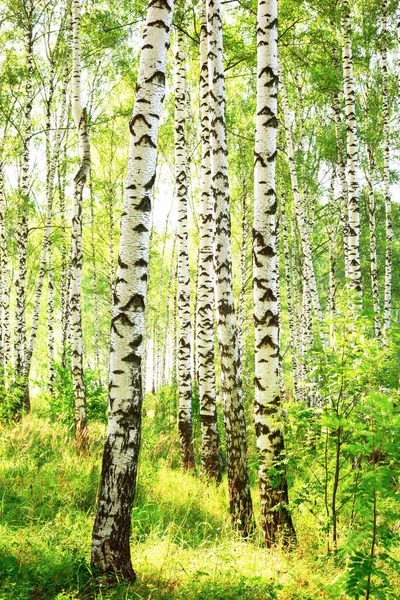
{"points": [[243, 277], [267, 403], [210, 464], [23, 210], [372, 245], [76, 238], [184, 351], [386, 175], [309, 272], [110, 545], [95, 293], [352, 160], [291, 315], [5, 286], [236, 445]]}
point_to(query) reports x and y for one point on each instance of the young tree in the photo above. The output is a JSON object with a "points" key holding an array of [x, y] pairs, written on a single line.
{"points": [[76, 238], [110, 542]]}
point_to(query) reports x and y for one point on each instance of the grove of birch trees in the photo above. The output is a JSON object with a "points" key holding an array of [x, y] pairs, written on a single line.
{"points": [[200, 283]]}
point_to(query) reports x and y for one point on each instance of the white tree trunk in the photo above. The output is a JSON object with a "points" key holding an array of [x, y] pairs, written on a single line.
{"points": [[372, 245], [205, 294], [352, 160], [267, 411], [184, 351], [386, 175], [110, 544], [76, 238], [236, 446]]}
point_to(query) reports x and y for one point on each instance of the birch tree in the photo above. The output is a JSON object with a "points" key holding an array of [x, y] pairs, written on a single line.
{"points": [[110, 541], [267, 411], [236, 445], [80, 178], [205, 302]]}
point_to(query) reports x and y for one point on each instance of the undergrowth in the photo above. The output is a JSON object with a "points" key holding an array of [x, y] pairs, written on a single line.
{"points": [[182, 543]]}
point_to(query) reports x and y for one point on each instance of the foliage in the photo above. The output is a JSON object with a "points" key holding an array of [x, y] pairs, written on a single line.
{"points": [[60, 403]]}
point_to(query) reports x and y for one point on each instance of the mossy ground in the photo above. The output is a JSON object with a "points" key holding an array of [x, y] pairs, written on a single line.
{"points": [[182, 544]]}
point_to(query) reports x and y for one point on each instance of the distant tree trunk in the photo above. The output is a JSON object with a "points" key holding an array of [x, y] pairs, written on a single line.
{"points": [[161, 302], [210, 464], [23, 211], [311, 298], [184, 353], [267, 403], [352, 159], [290, 307], [51, 162], [236, 445], [243, 277], [110, 544], [76, 239], [372, 245], [167, 312], [64, 276], [332, 259], [95, 292], [344, 214], [386, 175], [5, 285]]}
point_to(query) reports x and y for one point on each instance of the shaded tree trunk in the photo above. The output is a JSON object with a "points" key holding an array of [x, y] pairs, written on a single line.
{"points": [[236, 445]]}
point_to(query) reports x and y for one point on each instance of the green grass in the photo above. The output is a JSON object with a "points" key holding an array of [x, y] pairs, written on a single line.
{"points": [[182, 543]]}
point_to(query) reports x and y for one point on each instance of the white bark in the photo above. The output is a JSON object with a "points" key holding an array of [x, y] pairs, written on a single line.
{"points": [[110, 545], [235, 427], [386, 175], [352, 160]]}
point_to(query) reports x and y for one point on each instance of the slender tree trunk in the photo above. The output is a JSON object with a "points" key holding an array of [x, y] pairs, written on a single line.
{"points": [[64, 277], [372, 245], [309, 272], [344, 213], [76, 239], [291, 315], [210, 464], [158, 332], [332, 260], [51, 160], [5, 286], [95, 292], [184, 353], [352, 160], [23, 211], [243, 276], [386, 175], [146, 329], [167, 311], [267, 410], [236, 445], [110, 545]]}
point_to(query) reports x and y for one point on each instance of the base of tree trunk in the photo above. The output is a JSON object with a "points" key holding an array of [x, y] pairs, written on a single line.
{"points": [[105, 559], [276, 521], [81, 436]]}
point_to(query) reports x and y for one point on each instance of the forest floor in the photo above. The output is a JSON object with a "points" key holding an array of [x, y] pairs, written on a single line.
{"points": [[182, 544]]}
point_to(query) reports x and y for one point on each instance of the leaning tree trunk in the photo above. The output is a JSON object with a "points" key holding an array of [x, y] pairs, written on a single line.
{"points": [[386, 175], [110, 544], [23, 210], [352, 161], [267, 403], [210, 464], [184, 352], [236, 445], [76, 238], [372, 245]]}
